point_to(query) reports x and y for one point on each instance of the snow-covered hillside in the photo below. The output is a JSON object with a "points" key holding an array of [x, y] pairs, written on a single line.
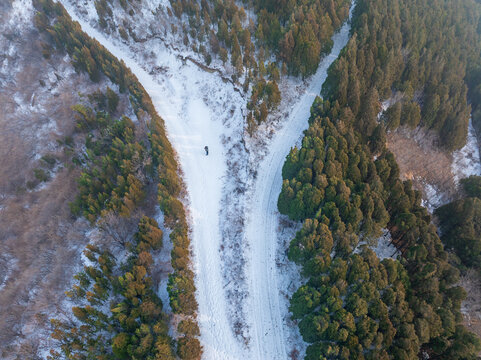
{"points": [[40, 242]]}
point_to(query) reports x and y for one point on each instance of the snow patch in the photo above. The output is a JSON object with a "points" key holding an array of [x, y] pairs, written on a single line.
{"points": [[7, 266], [466, 162], [382, 246], [22, 11], [432, 197], [162, 261]]}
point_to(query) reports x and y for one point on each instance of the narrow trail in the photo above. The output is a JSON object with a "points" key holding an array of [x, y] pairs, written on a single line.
{"points": [[179, 99], [268, 328]]}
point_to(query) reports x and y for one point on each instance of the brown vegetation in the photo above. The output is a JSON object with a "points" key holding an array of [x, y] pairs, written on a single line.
{"points": [[471, 308], [422, 161]]}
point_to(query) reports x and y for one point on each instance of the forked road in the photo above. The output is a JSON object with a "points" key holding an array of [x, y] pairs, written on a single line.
{"points": [[268, 332], [190, 125]]}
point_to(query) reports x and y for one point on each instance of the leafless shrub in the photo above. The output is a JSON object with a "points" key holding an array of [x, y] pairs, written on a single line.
{"points": [[117, 229]]}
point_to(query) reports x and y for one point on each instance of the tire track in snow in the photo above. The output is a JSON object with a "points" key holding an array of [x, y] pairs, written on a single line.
{"points": [[267, 326]]}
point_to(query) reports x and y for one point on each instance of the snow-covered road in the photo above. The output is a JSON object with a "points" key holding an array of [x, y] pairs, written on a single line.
{"points": [[267, 311], [180, 97], [195, 106]]}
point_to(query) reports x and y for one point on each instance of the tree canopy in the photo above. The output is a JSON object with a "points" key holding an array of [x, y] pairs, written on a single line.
{"points": [[353, 305]]}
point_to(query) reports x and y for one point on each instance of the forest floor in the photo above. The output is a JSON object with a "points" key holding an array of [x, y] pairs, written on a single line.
{"points": [[422, 162], [471, 307], [432, 170], [40, 244]]}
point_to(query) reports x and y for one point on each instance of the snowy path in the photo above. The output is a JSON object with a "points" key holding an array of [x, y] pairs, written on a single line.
{"points": [[179, 98], [268, 329]]}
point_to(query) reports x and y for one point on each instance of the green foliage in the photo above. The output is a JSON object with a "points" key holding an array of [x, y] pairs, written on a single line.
{"points": [[49, 160], [265, 96], [411, 114], [298, 31], [110, 181], [134, 325], [105, 102], [472, 186], [461, 228], [419, 50], [353, 305], [41, 175], [392, 116], [335, 180]]}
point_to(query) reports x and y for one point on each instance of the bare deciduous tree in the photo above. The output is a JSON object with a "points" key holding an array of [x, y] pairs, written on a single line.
{"points": [[118, 229]]}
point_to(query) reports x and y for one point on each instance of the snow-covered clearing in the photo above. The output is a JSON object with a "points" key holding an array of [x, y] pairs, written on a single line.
{"points": [[382, 246], [268, 312], [433, 170], [466, 161]]}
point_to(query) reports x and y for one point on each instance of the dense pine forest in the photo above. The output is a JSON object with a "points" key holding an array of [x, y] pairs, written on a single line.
{"points": [[461, 224], [418, 49], [344, 185], [408, 63], [371, 309]]}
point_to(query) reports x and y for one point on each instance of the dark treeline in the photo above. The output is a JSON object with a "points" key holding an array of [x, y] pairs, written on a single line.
{"points": [[461, 224], [113, 162], [420, 49], [344, 185], [297, 32], [473, 80], [115, 151]]}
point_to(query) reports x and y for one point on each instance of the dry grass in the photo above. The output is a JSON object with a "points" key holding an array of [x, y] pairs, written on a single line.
{"points": [[422, 161], [471, 307]]}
